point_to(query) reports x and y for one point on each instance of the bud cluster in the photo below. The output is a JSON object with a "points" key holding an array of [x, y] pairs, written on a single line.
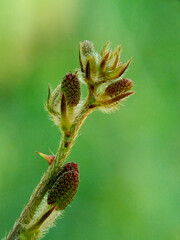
{"points": [[105, 69], [65, 187], [103, 75]]}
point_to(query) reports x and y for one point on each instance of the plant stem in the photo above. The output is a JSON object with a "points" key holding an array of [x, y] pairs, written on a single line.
{"points": [[95, 70], [50, 175]]}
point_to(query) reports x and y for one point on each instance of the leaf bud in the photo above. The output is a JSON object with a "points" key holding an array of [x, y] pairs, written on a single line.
{"points": [[87, 48]]}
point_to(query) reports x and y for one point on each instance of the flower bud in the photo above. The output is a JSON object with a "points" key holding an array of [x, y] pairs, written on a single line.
{"points": [[71, 88], [118, 87], [87, 48], [71, 166], [65, 187]]}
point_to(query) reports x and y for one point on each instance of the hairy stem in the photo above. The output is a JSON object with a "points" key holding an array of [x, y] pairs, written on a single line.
{"points": [[50, 175], [96, 69]]}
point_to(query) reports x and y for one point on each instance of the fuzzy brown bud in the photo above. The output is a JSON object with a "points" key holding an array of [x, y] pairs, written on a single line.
{"points": [[119, 87], [65, 187], [71, 88]]}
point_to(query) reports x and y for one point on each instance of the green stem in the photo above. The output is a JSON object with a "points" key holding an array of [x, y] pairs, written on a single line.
{"points": [[50, 175]]}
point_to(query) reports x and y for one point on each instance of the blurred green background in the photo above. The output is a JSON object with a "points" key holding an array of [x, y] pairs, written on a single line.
{"points": [[129, 160]]}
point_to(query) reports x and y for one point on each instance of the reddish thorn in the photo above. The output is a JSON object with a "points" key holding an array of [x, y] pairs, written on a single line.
{"points": [[49, 158]]}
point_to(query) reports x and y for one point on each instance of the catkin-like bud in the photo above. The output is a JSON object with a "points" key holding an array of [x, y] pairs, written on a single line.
{"points": [[71, 88], [118, 87], [87, 48], [65, 187], [71, 166]]}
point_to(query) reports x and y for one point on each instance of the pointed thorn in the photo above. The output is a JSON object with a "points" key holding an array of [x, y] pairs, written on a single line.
{"points": [[49, 158]]}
